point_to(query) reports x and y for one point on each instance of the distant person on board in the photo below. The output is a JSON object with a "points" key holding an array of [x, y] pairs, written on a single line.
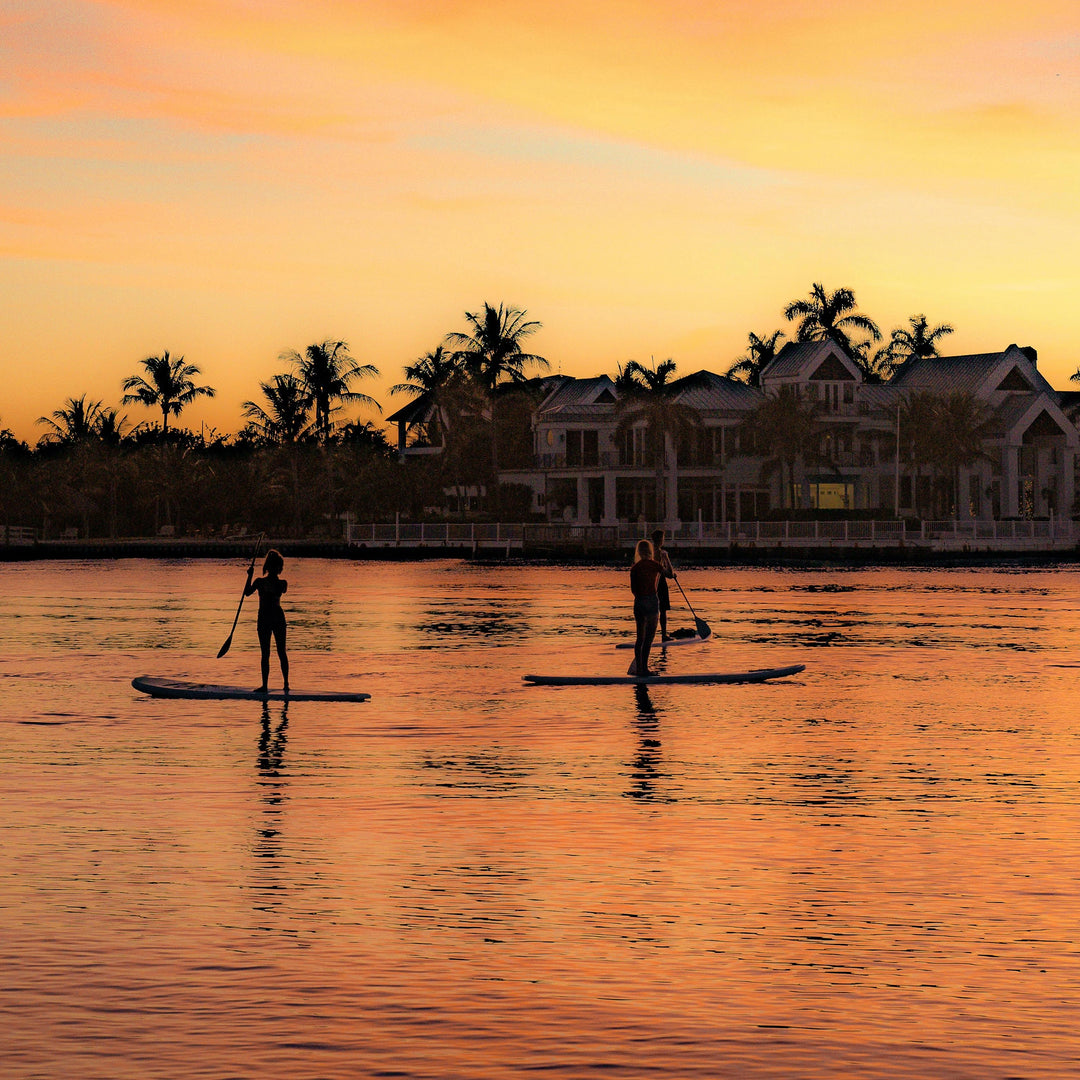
{"points": [[270, 587], [666, 571], [644, 576]]}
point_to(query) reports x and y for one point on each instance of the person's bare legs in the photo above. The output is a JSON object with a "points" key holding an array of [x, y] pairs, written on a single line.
{"points": [[650, 633], [264, 665], [646, 631], [283, 658]]}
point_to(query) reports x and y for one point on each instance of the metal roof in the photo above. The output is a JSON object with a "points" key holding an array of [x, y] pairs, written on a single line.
{"points": [[418, 411], [796, 356], [708, 392], [947, 374]]}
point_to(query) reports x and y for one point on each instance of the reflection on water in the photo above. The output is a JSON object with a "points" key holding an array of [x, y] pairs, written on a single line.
{"points": [[645, 768], [864, 871]]}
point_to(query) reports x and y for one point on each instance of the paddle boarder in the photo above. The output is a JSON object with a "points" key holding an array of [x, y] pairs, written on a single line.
{"points": [[271, 623], [666, 571], [645, 574]]}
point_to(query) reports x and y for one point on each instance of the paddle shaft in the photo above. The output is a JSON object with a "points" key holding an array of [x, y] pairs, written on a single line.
{"points": [[702, 625], [228, 641]]}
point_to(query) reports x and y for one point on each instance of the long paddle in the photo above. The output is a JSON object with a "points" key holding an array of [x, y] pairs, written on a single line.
{"points": [[228, 641], [703, 628]]}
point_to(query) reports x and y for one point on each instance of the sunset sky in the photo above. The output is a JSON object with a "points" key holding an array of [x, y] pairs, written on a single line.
{"points": [[230, 179]]}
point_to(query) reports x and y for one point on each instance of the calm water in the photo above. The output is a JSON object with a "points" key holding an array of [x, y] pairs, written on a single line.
{"points": [[867, 871]]}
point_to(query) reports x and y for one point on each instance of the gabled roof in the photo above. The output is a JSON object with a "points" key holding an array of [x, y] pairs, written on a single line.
{"points": [[708, 392], [418, 411], [1019, 411], [539, 386], [579, 395], [703, 390], [802, 358], [979, 374]]}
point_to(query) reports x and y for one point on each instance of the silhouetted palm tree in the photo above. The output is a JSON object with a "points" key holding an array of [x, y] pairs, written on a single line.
{"points": [[491, 351], [647, 397], [427, 373], [962, 425], [915, 344], [877, 366], [787, 430], [918, 437], [285, 416], [830, 317], [429, 376], [167, 385], [75, 422], [759, 354], [328, 372], [112, 429]]}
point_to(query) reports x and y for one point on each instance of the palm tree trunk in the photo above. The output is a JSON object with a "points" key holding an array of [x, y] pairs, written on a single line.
{"points": [[295, 469]]}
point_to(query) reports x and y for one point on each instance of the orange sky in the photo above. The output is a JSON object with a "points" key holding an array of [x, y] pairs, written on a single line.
{"points": [[227, 179]]}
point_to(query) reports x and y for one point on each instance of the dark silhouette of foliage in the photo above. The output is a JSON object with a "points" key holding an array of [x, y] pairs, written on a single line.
{"points": [[285, 415], [830, 316], [327, 371], [648, 398], [168, 384], [760, 352], [920, 342], [491, 352]]}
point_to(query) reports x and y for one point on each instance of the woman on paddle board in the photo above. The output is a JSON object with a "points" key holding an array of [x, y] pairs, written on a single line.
{"points": [[271, 623], [645, 574], [666, 571]]}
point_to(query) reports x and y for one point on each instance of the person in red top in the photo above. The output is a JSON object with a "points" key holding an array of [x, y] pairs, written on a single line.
{"points": [[271, 623], [644, 577]]}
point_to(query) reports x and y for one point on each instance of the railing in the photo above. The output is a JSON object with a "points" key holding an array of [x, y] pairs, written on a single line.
{"points": [[940, 535], [17, 534], [437, 534], [602, 459]]}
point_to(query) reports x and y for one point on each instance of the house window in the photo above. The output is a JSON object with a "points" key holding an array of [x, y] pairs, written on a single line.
{"points": [[582, 448], [633, 447], [832, 496]]}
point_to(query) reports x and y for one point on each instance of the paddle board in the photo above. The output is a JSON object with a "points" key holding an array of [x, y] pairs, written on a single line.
{"points": [[658, 644], [759, 675], [179, 688]]}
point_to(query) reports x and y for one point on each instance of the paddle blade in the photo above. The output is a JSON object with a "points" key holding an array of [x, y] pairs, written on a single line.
{"points": [[703, 628], [224, 648]]}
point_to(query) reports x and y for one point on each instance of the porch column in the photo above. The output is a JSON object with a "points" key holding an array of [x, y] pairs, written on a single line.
{"points": [[1010, 478], [610, 517], [582, 501], [1066, 482]]}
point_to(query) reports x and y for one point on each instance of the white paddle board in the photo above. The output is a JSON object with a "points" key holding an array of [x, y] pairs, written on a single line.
{"points": [[180, 688], [759, 675]]}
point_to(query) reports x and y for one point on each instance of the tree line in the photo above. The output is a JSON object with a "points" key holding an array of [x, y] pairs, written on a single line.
{"points": [[296, 465]]}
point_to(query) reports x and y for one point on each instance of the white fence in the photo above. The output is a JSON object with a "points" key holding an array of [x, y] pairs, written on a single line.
{"points": [[939, 535]]}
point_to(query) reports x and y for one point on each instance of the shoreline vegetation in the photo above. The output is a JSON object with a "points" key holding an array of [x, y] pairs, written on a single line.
{"points": [[299, 470]]}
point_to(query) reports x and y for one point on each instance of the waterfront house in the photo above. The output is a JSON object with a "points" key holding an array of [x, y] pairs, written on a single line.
{"points": [[587, 468]]}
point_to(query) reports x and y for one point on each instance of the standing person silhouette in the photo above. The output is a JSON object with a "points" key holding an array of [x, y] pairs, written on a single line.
{"points": [[644, 575], [666, 571], [271, 623]]}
